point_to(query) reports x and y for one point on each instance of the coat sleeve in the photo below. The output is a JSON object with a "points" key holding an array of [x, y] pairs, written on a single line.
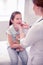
{"points": [[34, 34]]}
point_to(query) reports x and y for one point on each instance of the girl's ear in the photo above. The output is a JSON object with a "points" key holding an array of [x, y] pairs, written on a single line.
{"points": [[11, 20]]}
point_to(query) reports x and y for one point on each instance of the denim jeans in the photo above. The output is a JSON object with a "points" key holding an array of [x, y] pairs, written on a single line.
{"points": [[14, 56]]}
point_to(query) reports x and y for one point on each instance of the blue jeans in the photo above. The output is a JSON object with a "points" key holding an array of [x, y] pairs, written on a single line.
{"points": [[14, 56]]}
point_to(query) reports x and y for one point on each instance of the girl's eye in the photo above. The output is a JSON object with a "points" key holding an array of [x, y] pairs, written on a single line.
{"points": [[17, 18]]}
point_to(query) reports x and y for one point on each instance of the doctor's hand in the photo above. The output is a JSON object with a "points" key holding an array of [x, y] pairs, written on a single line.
{"points": [[21, 49]]}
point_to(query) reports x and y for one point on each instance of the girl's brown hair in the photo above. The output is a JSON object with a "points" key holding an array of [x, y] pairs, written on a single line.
{"points": [[13, 16]]}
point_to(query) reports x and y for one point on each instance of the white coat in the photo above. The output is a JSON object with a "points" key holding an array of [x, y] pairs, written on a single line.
{"points": [[34, 39]]}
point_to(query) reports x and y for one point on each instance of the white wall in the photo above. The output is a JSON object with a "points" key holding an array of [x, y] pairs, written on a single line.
{"points": [[3, 28], [29, 15]]}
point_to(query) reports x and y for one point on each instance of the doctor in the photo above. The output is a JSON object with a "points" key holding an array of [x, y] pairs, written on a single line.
{"points": [[34, 36]]}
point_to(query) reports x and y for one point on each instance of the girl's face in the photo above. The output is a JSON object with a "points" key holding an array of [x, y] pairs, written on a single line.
{"points": [[17, 19], [36, 9]]}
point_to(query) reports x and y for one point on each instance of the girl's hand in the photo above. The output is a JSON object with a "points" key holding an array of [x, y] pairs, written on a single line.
{"points": [[17, 49], [18, 36], [21, 49], [18, 26]]}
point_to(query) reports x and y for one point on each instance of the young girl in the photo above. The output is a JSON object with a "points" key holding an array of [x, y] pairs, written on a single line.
{"points": [[13, 34]]}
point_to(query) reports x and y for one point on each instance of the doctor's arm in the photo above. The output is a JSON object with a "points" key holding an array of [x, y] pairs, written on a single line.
{"points": [[31, 37]]}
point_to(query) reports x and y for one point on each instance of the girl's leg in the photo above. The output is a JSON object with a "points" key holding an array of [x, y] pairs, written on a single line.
{"points": [[24, 57], [13, 56]]}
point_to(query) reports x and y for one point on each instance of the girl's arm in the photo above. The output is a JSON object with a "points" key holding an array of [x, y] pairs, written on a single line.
{"points": [[13, 44]]}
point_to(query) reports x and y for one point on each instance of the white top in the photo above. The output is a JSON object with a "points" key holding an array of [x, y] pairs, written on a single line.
{"points": [[11, 31], [34, 38]]}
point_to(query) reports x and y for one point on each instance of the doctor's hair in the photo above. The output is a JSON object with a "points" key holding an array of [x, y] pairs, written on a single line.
{"points": [[13, 16], [39, 3]]}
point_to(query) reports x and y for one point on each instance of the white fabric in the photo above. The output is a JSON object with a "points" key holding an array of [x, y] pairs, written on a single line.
{"points": [[34, 39], [34, 34]]}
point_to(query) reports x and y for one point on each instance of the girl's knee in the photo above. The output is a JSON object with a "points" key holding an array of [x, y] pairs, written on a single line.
{"points": [[25, 59], [14, 61]]}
